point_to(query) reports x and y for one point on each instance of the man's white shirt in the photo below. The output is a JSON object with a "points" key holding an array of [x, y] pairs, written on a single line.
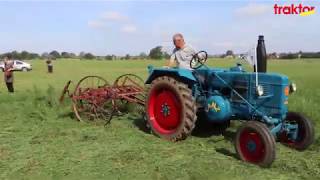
{"points": [[183, 56]]}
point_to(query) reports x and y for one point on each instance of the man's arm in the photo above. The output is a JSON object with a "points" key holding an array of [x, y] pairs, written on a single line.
{"points": [[171, 62], [10, 68]]}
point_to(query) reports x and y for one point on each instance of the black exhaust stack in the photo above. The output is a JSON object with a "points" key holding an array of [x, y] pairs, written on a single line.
{"points": [[261, 55]]}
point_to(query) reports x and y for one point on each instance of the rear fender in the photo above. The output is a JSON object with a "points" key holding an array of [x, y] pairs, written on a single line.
{"points": [[183, 75]]}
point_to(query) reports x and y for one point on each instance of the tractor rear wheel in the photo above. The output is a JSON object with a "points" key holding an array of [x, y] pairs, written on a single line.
{"points": [[171, 109], [254, 143], [305, 132]]}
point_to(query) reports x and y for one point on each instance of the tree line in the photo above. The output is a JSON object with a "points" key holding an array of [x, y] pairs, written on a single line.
{"points": [[155, 53], [298, 55]]}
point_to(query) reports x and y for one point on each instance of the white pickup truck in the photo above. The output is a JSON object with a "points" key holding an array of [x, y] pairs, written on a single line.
{"points": [[18, 66]]}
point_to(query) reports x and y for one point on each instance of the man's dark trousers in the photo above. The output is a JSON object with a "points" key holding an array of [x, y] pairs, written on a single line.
{"points": [[10, 87]]}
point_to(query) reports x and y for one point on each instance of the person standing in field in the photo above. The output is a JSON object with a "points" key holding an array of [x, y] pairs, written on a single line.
{"points": [[8, 73], [50, 66], [182, 54]]}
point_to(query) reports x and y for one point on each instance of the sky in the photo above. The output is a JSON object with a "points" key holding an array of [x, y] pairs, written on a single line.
{"points": [[121, 27]]}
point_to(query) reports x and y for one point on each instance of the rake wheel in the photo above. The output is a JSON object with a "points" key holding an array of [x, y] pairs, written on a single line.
{"points": [[87, 104]]}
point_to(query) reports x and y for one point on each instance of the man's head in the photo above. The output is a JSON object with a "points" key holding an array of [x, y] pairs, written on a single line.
{"points": [[178, 40]]}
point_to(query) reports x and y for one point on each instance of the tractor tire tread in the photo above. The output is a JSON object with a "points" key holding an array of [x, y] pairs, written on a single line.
{"points": [[188, 103], [267, 137]]}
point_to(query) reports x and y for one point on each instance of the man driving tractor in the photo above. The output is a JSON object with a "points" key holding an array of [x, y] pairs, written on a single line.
{"points": [[182, 54]]}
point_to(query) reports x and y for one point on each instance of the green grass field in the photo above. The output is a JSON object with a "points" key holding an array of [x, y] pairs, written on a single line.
{"points": [[41, 140]]}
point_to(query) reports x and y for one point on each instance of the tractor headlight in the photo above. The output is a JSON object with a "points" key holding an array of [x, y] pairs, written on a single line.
{"points": [[293, 87], [259, 90]]}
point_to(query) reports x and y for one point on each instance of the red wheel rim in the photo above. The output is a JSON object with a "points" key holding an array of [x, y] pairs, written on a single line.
{"points": [[164, 111], [251, 146]]}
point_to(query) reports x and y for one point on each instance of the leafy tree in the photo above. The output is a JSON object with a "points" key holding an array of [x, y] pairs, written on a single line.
{"points": [[89, 56], [25, 55], [55, 54], [81, 54], [72, 55], [108, 57], [65, 55], [15, 55], [45, 55], [310, 55], [6, 55], [273, 55], [166, 55], [143, 55], [289, 56], [229, 53], [156, 53], [34, 56], [127, 57]]}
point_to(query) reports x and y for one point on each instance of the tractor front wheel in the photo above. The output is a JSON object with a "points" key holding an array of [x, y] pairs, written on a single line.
{"points": [[171, 109], [305, 136], [254, 143]]}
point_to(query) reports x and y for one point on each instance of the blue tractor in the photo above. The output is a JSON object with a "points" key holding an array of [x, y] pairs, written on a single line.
{"points": [[176, 96]]}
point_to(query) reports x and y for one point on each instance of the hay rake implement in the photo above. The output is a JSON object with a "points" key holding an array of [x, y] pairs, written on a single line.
{"points": [[94, 99]]}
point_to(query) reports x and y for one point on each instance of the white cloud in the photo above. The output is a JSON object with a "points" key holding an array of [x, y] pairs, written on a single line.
{"points": [[129, 29], [254, 9], [114, 16], [117, 19], [96, 24]]}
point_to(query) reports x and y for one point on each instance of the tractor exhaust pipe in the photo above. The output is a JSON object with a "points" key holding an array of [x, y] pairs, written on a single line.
{"points": [[261, 55]]}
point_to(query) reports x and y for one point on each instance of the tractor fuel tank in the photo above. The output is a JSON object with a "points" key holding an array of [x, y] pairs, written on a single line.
{"points": [[218, 109]]}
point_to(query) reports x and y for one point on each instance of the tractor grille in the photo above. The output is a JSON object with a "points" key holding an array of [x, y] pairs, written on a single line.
{"points": [[242, 88], [266, 89]]}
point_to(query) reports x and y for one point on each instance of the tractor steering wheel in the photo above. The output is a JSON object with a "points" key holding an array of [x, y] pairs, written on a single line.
{"points": [[198, 59]]}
